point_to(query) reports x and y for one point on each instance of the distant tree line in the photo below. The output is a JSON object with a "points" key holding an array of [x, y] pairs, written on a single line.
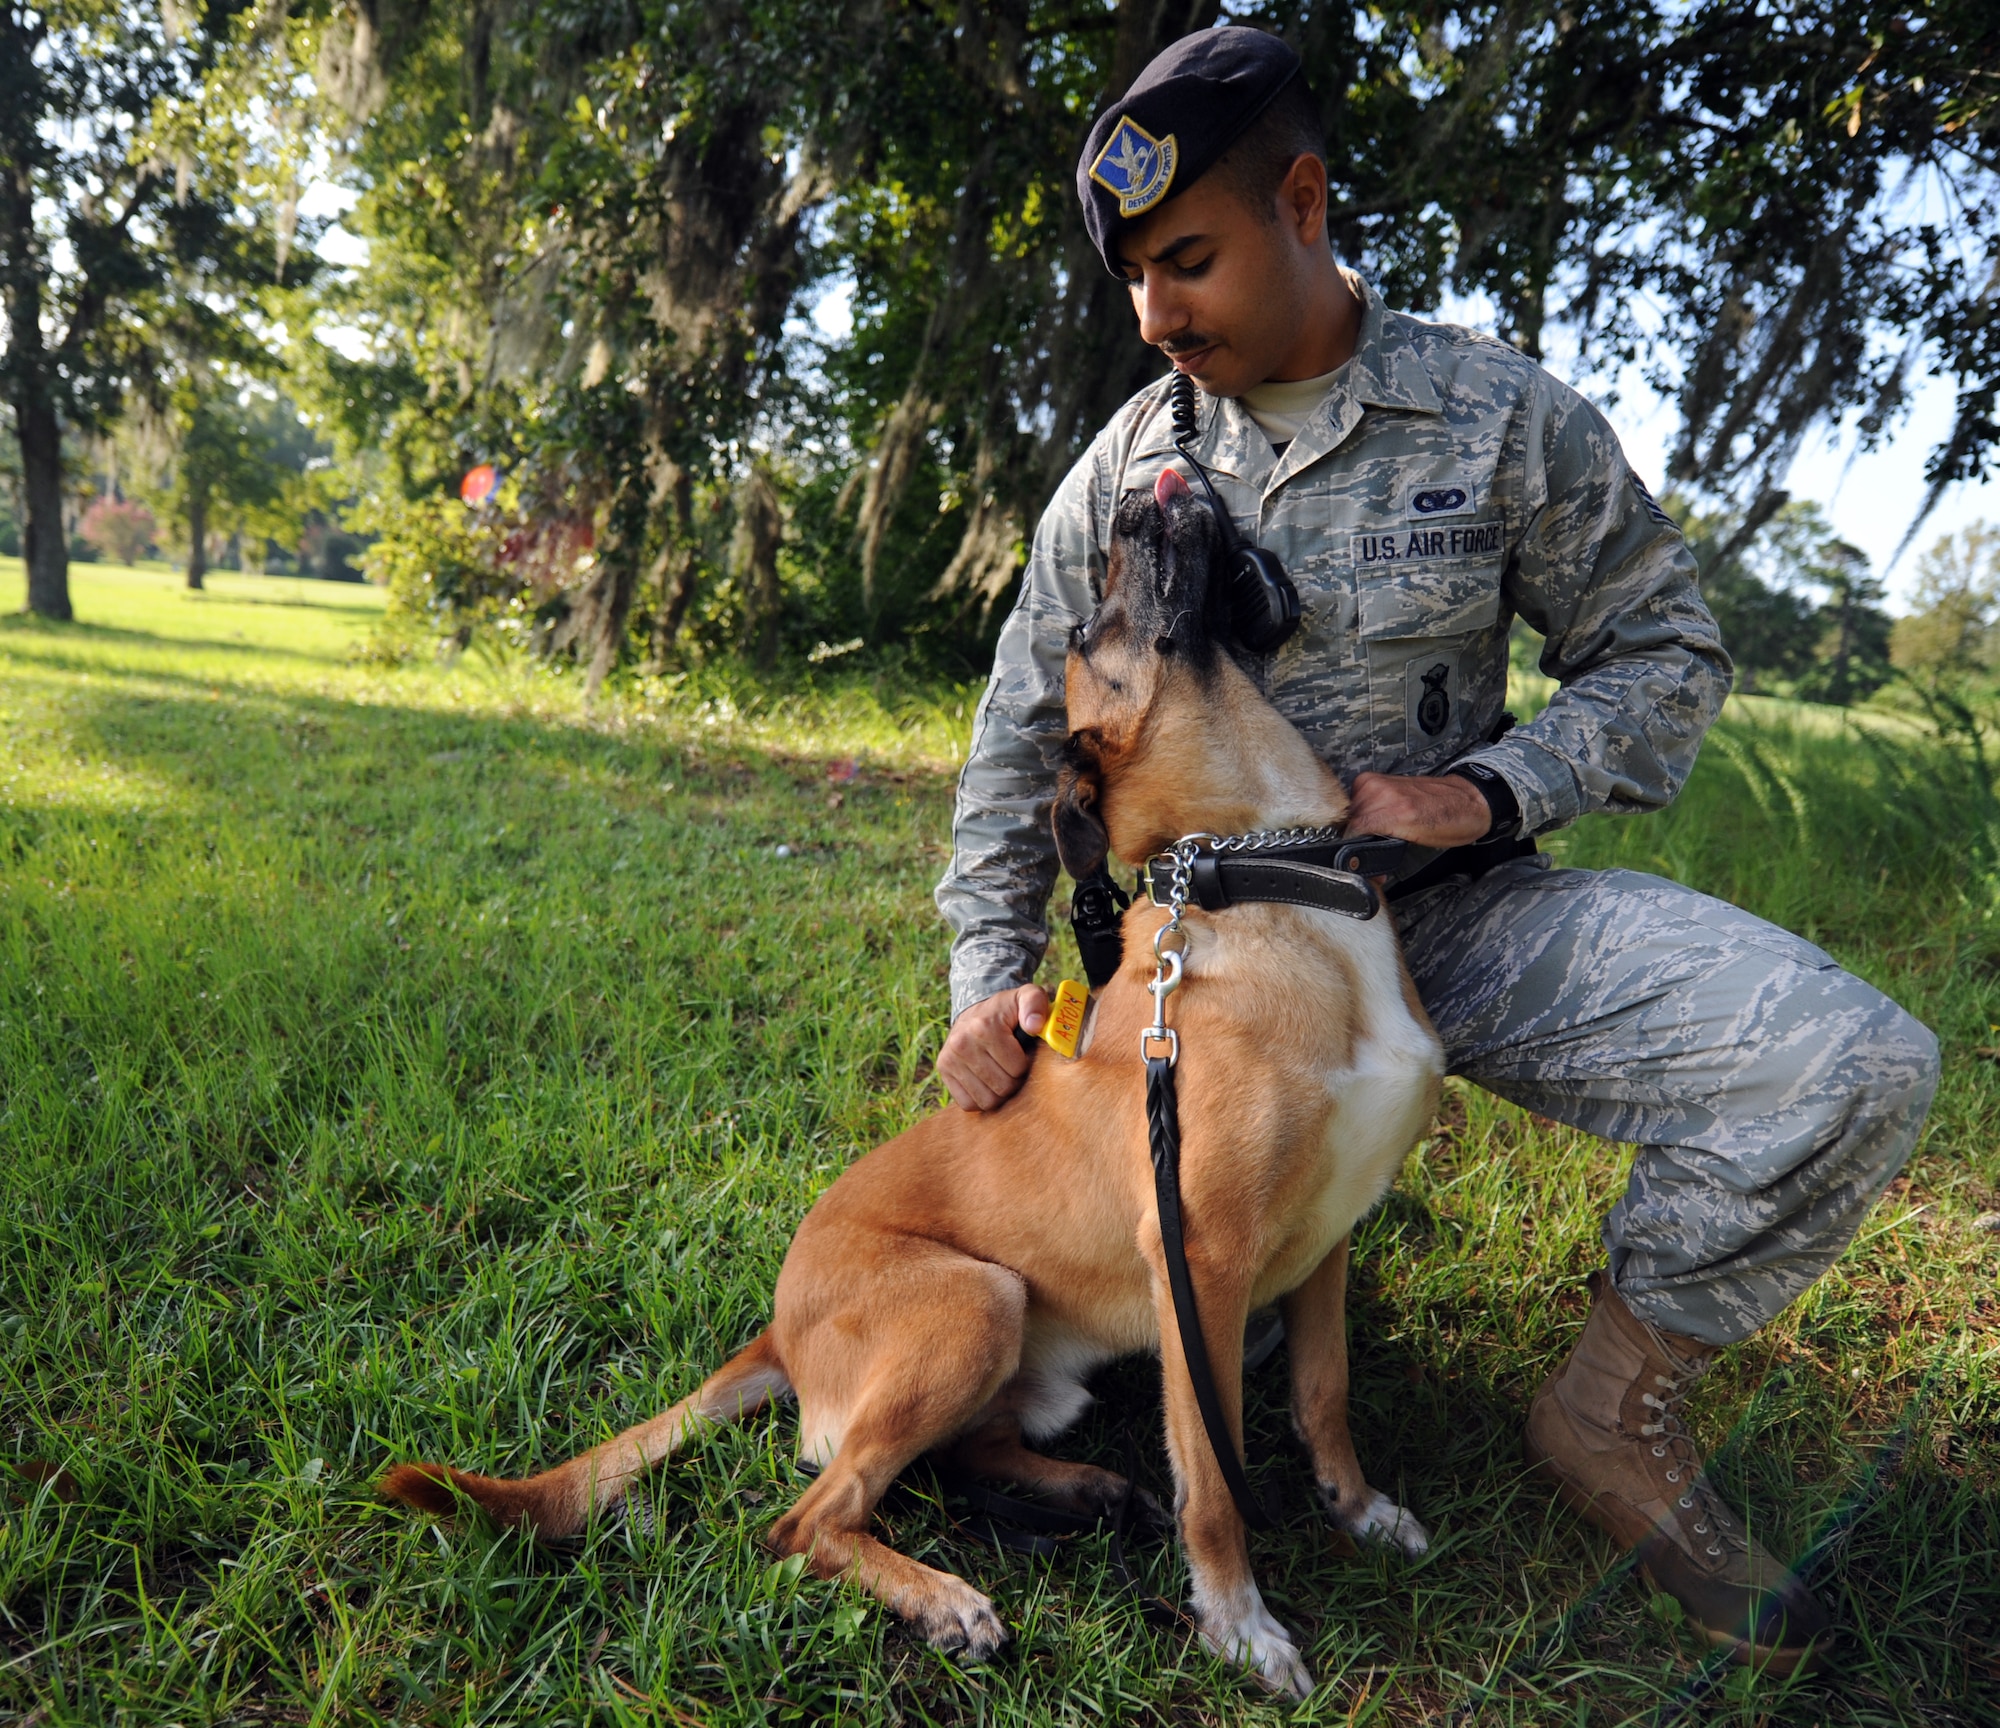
{"points": [[598, 233], [1799, 609], [1952, 633], [1802, 615]]}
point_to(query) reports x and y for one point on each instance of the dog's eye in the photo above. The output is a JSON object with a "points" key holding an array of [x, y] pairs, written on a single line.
{"points": [[1164, 645]]}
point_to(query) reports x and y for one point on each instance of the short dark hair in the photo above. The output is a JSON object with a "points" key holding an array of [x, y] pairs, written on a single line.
{"points": [[1255, 166]]}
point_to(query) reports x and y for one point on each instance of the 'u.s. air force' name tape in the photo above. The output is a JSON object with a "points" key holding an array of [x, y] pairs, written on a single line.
{"points": [[1408, 545]]}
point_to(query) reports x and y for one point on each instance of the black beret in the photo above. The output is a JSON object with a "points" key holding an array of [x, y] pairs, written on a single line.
{"points": [[1194, 101]]}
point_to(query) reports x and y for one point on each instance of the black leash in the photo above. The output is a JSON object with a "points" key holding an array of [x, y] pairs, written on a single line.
{"points": [[1172, 872], [1163, 1134]]}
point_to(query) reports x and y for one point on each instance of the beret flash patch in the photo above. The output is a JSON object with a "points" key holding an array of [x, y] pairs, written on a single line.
{"points": [[1135, 167]]}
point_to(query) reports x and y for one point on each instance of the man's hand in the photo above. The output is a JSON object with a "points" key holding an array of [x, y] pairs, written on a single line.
{"points": [[1445, 810], [982, 1061]]}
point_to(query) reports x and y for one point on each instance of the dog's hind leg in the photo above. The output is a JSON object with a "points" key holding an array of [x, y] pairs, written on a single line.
{"points": [[995, 1450], [1316, 1337], [560, 1502], [896, 1369]]}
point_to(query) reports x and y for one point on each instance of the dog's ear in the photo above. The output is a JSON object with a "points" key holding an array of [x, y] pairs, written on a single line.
{"points": [[1081, 841]]}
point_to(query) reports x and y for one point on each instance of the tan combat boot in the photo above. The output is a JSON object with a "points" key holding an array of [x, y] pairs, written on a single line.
{"points": [[1606, 1430]]}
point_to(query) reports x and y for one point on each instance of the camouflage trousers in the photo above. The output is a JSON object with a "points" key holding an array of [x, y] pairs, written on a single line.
{"points": [[1771, 1095]]}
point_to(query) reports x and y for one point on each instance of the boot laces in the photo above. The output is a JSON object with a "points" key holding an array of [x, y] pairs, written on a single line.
{"points": [[1670, 1439]]}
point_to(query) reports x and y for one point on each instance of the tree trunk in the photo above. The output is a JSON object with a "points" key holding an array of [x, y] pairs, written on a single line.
{"points": [[614, 604], [197, 535], [44, 548], [683, 575], [1840, 685], [760, 529], [679, 567]]}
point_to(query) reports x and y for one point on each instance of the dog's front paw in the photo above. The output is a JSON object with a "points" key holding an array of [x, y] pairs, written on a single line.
{"points": [[1380, 1522], [1256, 1641], [961, 1622]]}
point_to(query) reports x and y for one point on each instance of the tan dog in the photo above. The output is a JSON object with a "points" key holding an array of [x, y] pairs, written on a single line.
{"points": [[952, 1289]]}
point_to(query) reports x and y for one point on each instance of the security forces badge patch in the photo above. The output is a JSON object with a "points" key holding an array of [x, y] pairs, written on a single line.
{"points": [[1135, 167], [1434, 705]]}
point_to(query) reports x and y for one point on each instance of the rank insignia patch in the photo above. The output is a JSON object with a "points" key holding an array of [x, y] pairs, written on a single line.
{"points": [[1652, 504], [1135, 167]]}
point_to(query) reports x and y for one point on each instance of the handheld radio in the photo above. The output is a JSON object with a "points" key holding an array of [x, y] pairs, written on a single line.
{"points": [[1263, 604]]}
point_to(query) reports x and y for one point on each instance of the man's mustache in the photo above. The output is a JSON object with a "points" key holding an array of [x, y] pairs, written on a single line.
{"points": [[1175, 346]]}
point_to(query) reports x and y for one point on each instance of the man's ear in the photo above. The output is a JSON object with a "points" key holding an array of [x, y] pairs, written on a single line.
{"points": [[1081, 842], [1302, 200]]}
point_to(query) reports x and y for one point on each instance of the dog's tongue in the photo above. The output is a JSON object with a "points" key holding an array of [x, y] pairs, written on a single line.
{"points": [[1169, 486]]}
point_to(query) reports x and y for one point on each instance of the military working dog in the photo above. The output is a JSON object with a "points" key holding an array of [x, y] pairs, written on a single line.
{"points": [[952, 1290]]}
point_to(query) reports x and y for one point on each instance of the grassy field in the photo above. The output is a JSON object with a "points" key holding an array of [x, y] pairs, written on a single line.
{"points": [[403, 1062]]}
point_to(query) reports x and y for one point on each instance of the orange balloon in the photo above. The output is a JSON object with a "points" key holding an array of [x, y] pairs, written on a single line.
{"points": [[478, 484]]}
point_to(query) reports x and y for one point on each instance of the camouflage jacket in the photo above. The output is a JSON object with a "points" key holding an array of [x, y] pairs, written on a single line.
{"points": [[1445, 485]]}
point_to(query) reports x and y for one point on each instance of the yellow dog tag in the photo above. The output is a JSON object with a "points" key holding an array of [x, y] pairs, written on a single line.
{"points": [[1065, 1022]]}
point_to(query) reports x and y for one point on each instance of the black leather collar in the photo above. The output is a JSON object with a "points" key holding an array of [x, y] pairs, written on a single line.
{"points": [[1326, 875], [1222, 880]]}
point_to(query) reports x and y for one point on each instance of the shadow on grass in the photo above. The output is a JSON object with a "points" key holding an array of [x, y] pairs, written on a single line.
{"points": [[120, 580], [21, 624], [240, 597]]}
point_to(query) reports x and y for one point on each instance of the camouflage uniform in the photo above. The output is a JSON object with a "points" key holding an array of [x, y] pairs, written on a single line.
{"points": [[1446, 485]]}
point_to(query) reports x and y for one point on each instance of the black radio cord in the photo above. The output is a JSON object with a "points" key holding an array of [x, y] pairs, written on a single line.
{"points": [[1263, 600], [1187, 428]]}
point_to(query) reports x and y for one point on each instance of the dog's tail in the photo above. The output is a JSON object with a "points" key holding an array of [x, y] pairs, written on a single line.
{"points": [[560, 1502]]}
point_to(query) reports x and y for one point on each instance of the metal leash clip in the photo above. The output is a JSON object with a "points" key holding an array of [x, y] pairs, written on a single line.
{"points": [[1169, 963], [1165, 982]]}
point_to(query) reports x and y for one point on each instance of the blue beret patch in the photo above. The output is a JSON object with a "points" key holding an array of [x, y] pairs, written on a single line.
{"points": [[1135, 167]]}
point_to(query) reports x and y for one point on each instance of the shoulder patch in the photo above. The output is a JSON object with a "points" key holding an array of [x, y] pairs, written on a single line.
{"points": [[1135, 167]]}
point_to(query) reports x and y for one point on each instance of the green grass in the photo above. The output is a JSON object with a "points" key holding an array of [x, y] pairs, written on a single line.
{"points": [[402, 1061]]}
